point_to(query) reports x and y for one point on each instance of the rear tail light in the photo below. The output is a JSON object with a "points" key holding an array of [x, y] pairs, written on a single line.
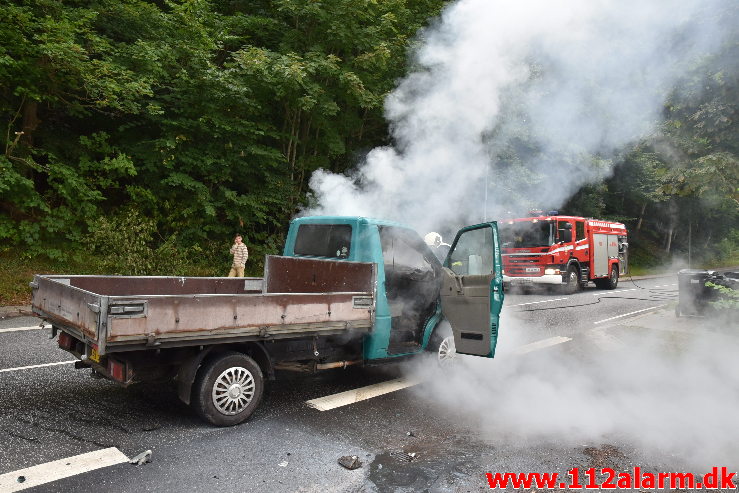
{"points": [[66, 341], [117, 370]]}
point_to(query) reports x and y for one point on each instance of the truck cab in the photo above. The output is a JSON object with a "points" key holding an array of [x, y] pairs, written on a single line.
{"points": [[414, 290]]}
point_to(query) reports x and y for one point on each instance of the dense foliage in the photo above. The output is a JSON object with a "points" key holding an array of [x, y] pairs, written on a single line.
{"points": [[148, 132], [205, 117]]}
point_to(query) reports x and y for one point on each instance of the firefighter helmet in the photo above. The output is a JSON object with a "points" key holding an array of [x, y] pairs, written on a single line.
{"points": [[432, 239]]}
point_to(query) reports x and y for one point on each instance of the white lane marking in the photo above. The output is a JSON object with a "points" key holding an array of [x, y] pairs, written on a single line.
{"points": [[544, 343], [37, 366], [362, 393], [536, 302], [627, 314], [614, 292], [18, 329], [60, 469]]}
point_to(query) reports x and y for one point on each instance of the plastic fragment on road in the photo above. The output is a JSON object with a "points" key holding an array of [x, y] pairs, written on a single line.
{"points": [[142, 458]]}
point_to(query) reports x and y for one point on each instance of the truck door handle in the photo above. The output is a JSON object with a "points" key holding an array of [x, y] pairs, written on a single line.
{"points": [[458, 282]]}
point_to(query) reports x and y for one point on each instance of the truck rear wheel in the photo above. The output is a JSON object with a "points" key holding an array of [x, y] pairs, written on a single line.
{"points": [[611, 282], [228, 389]]}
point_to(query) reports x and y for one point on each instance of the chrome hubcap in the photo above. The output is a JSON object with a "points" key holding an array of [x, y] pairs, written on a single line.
{"points": [[447, 352], [233, 390]]}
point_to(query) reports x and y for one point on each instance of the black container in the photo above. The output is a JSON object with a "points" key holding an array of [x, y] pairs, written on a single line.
{"points": [[694, 295]]}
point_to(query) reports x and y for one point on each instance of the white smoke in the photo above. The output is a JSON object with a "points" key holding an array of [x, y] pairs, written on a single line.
{"points": [[670, 394], [512, 104], [543, 91]]}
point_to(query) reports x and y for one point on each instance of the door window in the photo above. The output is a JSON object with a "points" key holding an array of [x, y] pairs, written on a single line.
{"points": [[580, 230], [473, 253]]}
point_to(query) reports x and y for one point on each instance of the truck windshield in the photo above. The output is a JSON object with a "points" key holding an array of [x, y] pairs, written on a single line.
{"points": [[526, 234]]}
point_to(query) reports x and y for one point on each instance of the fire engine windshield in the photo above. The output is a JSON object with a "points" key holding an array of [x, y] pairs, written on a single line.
{"points": [[526, 234]]}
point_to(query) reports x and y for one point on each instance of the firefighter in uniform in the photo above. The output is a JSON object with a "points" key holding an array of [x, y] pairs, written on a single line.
{"points": [[437, 245]]}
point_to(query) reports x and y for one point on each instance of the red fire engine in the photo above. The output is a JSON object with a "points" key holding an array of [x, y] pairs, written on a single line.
{"points": [[563, 250]]}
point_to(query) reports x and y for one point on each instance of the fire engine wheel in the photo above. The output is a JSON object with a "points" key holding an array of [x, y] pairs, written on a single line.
{"points": [[572, 280], [611, 282], [228, 389]]}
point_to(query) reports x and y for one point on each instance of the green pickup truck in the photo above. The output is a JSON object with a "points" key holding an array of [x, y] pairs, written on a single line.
{"points": [[346, 291]]}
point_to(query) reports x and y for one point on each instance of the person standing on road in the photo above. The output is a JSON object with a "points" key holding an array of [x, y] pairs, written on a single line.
{"points": [[240, 254]]}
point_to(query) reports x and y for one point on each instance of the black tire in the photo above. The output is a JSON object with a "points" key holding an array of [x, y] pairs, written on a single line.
{"points": [[611, 282], [222, 368], [572, 280]]}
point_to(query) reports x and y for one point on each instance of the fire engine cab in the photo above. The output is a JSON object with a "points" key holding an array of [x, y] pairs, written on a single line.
{"points": [[563, 250]]}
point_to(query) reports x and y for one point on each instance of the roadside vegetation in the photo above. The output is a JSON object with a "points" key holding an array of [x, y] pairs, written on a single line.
{"points": [[140, 136]]}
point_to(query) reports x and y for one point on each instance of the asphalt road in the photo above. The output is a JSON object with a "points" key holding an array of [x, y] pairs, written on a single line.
{"points": [[457, 429]]}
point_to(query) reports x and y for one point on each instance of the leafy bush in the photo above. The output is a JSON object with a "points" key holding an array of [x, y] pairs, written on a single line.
{"points": [[728, 298], [127, 244], [728, 248]]}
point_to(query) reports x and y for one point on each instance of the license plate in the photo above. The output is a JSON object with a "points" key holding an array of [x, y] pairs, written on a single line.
{"points": [[532, 269], [94, 356]]}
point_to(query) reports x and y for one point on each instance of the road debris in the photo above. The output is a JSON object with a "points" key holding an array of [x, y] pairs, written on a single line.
{"points": [[404, 456], [410, 434], [350, 462], [283, 463], [141, 459]]}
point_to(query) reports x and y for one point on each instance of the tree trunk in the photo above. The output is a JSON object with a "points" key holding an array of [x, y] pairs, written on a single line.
{"points": [[671, 233], [668, 240], [31, 121], [641, 215]]}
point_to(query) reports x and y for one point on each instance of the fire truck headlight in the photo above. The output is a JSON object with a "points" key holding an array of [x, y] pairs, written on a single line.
{"points": [[550, 272]]}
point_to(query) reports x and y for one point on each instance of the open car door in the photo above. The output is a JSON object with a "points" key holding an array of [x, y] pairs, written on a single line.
{"points": [[472, 289]]}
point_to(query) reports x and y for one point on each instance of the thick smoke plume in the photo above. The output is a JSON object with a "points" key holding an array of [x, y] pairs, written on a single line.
{"points": [[518, 104]]}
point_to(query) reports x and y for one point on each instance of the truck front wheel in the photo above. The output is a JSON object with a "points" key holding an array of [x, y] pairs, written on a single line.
{"points": [[571, 281], [228, 389]]}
